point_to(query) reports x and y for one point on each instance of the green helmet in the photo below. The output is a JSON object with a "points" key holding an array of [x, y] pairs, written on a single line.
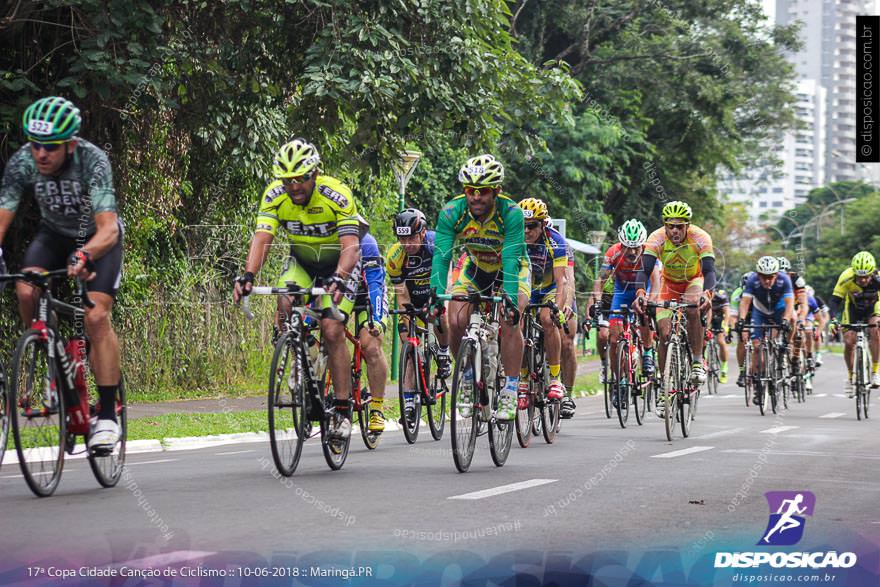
{"points": [[483, 170], [632, 234], [295, 158], [51, 119], [677, 210], [863, 263]]}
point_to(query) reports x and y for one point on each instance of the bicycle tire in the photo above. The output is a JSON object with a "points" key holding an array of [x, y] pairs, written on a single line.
{"points": [[784, 362], [436, 406], [500, 431], [670, 376], [107, 468], [606, 387], [335, 449], [287, 432], [687, 401], [4, 417], [464, 415], [550, 414], [23, 397], [624, 373], [747, 365], [712, 371], [409, 371], [639, 391], [859, 383], [525, 417]]}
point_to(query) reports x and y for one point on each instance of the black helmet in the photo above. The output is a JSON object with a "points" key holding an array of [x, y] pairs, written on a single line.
{"points": [[410, 221]]}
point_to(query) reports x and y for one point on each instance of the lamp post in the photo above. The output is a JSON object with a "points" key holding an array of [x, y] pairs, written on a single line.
{"points": [[403, 170]]}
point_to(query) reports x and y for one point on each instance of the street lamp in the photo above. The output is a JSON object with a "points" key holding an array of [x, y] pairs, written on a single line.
{"points": [[403, 170]]}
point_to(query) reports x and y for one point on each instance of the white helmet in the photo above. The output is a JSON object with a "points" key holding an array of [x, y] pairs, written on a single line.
{"points": [[767, 265], [632, 233]]}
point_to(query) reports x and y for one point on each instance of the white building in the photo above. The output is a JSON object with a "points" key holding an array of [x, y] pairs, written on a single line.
{"points": [[769, 190]]}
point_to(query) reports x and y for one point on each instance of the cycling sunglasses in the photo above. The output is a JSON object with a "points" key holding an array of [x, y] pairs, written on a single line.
{"points": [[531, 225], [478, 190], [299, 178], [48, 147]]}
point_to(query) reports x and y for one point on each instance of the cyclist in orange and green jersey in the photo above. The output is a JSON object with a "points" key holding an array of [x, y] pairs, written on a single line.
{"points": [[688, 275], [491, 229]]}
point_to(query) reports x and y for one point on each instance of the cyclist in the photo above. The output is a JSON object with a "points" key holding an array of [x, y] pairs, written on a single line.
{"points": [[624, 261], [319, 214], [688, 274], [816, 320], [72, 182], [371, 311], [801, 307], [732, 316], [490, 226], [857, 288], [409, 267], [718, 323], [600, 306], [548, 255], [769, 296]]}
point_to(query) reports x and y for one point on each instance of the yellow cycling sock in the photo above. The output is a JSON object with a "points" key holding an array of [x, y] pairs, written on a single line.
{"points": [[876, 367], [523, 373], [376, 403], [554, 371]]}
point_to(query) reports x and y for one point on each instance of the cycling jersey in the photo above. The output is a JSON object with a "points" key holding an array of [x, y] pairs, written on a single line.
{"points": [[494, 246], [798, 283], [545, 255], [314, 227], [768, 301], [681, 263], [373, 272], [413, 270], [68, 201], [860, 303], [626, 276], [813, 307]]}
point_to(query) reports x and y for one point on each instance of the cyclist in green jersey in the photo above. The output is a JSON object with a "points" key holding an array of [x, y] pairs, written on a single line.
{"points": [[320, 215], [490, 227]]}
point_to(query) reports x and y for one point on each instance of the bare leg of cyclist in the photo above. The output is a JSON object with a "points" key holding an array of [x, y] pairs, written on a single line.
{"points": [[569, 367], [849, 345], [459, 313], [104, 360], [377, 374], [553, 346], [339, 360], [28, 297], [874, 344], [602, 338], [511, 341], [696, 332]]}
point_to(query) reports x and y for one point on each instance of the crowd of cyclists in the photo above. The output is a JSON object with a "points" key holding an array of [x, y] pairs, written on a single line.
{"points": [[483, 240]]}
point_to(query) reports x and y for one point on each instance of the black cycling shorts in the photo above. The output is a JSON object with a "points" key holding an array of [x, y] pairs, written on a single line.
{"points": [[50, 250]]}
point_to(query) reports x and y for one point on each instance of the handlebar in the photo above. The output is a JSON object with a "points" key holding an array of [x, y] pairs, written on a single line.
{"points": [[291, 290], [554, 310], [670, 305], [42, 279], [473, 297]]}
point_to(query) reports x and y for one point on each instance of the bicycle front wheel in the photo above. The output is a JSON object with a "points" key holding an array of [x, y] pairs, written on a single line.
{"points": [[410, 385], [107, 466], [714, 367], [860, 382], [526, 416], [464, 414], [286, 405], [4, 417], [606, 389], [623, 382], [437, 392], [36, 410], [500, 432], [671, 389]]}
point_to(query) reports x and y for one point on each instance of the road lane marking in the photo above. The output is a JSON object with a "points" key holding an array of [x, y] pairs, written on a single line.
{"points": [[778, 429], [151, 462], [730, 395], [802, 453], [821, 395], [843, 395], [832, 415], [682, 452], [503, 489], [718, 434], [233, 452], [36, 474]]}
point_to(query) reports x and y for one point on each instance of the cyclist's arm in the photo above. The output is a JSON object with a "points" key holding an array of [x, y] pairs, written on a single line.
{"points": [[789, 308], [444, 238], [561, 287], [258, 251], [13, 186], [6, 217], [374, 274], [106, 236], [834, 305], [513, 250], [745, 303], [707, 265], [803, 304], [350, 253], [402, 293], [599, 284], [654, 280]]}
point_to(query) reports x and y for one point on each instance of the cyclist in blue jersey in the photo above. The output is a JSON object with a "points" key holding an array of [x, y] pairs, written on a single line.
{"points": [[770, 297]]}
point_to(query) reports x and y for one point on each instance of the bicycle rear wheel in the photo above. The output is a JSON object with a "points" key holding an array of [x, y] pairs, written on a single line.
{"points": [[36, 410], [107, 466], [4, 417], [437, 392], [860, 382], [714, 367], [606, 388], [410, 385], [335, 449], [287, 406], [464, 415], [525, 417], [550, 413], [671, 389], [500, 431]]}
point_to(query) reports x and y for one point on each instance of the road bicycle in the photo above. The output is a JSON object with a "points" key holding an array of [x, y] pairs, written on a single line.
{"points": [[800, 367], [679, 397], [540, 415], [49, 400], [477, 382], [712, 355], [419, 386], [599, 321], [773, 373], [631, 387], [861, 368], [299, 392]]}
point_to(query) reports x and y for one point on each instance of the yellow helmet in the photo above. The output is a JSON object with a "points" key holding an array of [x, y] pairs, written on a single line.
{"points": [[295, 158], [534, 209]]}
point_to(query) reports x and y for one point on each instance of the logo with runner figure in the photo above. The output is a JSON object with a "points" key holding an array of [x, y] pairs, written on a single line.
{"points": [[787, 511]]}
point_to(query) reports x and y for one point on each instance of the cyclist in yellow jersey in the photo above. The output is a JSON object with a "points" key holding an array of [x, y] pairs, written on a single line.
{"points": [[320, 215], [688, 276], [858, 289], [490, 226]]}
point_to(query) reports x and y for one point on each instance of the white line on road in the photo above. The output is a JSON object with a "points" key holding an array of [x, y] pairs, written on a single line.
{"points": [[503, 489], [832, 415], [778, 429], [234, 452], [820, 395], [801, 453], [718, 434], [38, 473], [843, 395], [681, 453], [730, 395], [151, 462]]}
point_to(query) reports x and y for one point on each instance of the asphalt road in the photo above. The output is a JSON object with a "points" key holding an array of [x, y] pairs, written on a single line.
{"points": [[599, 487]]}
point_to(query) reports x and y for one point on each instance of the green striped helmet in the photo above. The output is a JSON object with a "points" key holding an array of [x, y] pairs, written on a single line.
{"points": [[51, 119], [863, 263], [632, 234]]}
